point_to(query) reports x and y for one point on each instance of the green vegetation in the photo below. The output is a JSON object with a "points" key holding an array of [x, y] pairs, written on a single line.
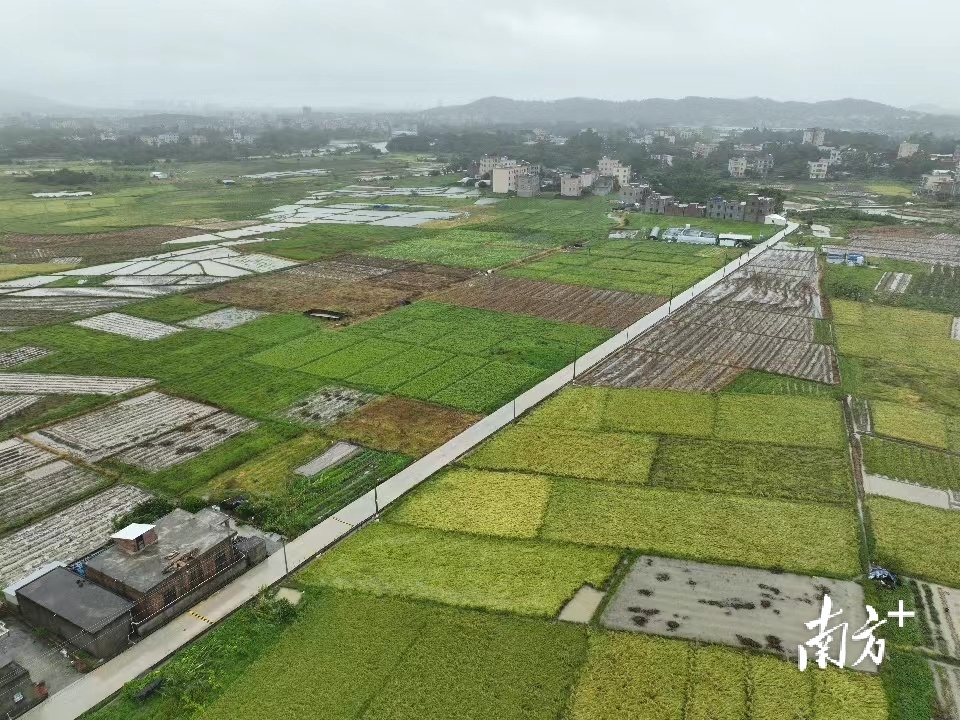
{"points": [[780, 420], [466, 248], [916, 540], [908, 680], [316, 242], [753, 470], [660, 411], [708, 527], [474, 501], [475, 360], [646, 266], [618, 457], [911, 463], [755, 382], [171, 309], [915, 425], [639, 676], [353, 656], [12, 272], [202, 672], [521, 576]]}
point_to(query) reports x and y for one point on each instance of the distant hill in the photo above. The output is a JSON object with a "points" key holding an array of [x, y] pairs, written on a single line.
{"points": [[14, 103], [847, 114]]}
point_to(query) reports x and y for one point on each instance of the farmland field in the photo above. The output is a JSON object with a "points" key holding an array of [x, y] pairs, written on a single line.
{"points": [[916, 540], [521, 576], [467, 248], [552, 301], [916, 425], [911, 463], [762, 317], [705, 526], [629, 675], [474, 360]]}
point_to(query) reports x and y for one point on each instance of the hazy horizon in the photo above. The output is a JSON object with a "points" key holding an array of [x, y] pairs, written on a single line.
{"points": [[424, 53]]}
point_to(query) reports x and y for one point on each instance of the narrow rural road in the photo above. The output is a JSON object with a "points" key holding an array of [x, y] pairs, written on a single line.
{"points": [[95, 687]]}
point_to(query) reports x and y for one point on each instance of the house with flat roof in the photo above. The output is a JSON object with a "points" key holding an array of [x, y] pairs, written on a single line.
{"points": [[82, 613], [17, 691]]}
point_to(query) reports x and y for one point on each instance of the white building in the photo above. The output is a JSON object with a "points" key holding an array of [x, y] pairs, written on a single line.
{"points": [[571, 185], [818, 169], [588, 177], [836, 156], [907, 150], [737, 167], [774, 219], [612, 168], [488, 163], [814, 136], [939, 182], [504, 179]]}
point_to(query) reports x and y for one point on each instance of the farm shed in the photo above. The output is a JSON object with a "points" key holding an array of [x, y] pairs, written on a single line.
{"points": [[164, 568], [17, 691], [655, 234], [734, 240], [87, 616]]}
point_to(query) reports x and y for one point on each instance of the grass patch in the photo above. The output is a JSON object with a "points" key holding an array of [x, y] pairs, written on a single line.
{"points": [[916, 540], [908, 680], [11, 271], [466, 248], [521, 576], [171, 309], [756, 382], [911, 463], [754, 470], [707, 527], [478, 502], [780, 420], [598, 456]]}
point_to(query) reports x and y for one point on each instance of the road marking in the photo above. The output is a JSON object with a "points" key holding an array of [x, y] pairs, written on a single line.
{"points": [[201, 617]]}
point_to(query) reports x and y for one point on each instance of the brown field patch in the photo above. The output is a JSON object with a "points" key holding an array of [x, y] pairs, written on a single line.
{"points": [[405, 426], [614, 309], [94, 248], [355, 285], [907, 243]]}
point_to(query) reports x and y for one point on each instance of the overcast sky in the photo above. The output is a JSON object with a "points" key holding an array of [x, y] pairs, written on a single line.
{"points": [[417, 53]]}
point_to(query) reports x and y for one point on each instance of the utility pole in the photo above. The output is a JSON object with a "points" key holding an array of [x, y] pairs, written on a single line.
{"points": [[286, 566]]}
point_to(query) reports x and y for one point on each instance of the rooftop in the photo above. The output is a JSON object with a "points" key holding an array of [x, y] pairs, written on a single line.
{"points": [[178, 534], [132, 532], [79, 601]]}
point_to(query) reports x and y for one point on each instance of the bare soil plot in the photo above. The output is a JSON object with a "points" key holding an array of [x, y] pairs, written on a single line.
{"points": [[178, 446], [128, 326], [293, 291], [406, 426], [762, 317], [95, 247], [356, 285], [894, 282], [328, 405], [113, 429], [12, 404], [582, 305], [21, 355], [907, 243], [16, 312], [42, 384], [39, 489], [68, 535], [225, 319], [741, 607]]}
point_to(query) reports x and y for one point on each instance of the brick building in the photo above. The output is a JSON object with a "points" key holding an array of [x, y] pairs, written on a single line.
{"points": [[155, 565]]}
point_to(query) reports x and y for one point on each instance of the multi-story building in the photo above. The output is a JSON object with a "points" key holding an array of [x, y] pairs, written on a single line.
{"points": [[504, 179], [758, 207], [684, 210], [907, 150], [488, 163], [656, 203], [663, 159], [702, 150], [588, 177], [818, 169], [720, 209], [571, 185], [634, 193], [759, 164], [939, 183], [612, 168], [528, 185], [814, 136]]}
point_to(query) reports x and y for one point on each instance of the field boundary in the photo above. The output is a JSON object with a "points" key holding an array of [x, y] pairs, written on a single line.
{"points": [[96, 687]]}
